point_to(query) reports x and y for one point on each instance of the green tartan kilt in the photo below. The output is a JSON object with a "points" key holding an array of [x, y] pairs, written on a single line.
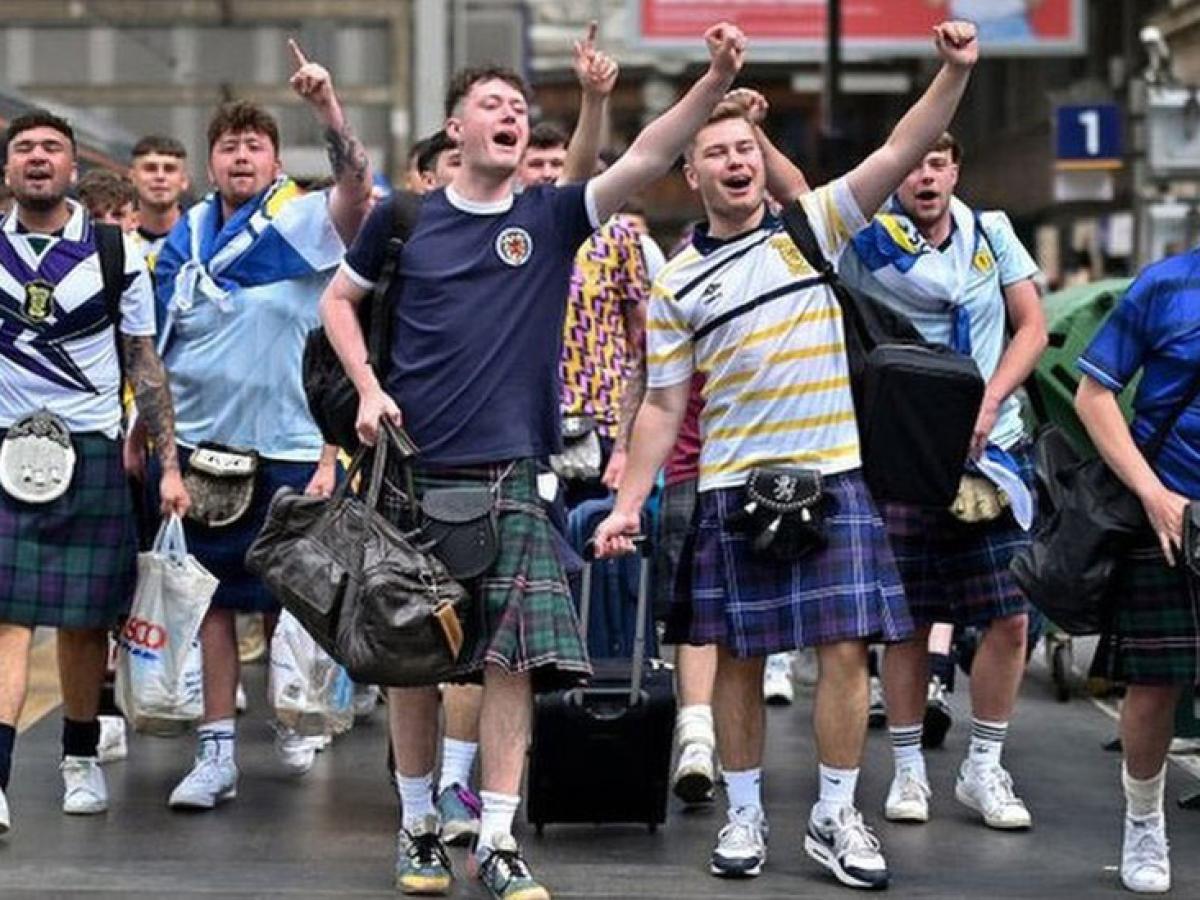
{"points": [[71, 563], [523, 617]]}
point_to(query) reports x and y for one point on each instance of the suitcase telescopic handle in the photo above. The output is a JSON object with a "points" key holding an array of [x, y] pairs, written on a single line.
{"points": [[642, 544]]}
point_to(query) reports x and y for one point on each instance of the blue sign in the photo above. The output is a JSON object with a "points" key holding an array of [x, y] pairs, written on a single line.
{"points": [[1089, 136]]}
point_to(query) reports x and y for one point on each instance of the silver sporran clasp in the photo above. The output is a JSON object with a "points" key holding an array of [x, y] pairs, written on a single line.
{"points": [[37, 460]]}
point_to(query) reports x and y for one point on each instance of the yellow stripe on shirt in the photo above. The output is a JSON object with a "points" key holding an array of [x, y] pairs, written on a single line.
{"points": [[781, 356], [745, 463], [791, 390], [765, 334], [779, 427]]}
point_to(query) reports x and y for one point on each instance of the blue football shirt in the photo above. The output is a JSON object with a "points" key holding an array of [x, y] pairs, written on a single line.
{"points": [[477, 326], [1156, 328]]}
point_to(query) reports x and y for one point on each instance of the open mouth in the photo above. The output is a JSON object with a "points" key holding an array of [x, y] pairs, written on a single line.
{"points": [[506, 138], [41, 176], [928, 196], [738, 182]]}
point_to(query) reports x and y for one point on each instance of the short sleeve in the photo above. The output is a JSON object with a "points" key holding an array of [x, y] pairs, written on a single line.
{"points": [[669, 357], [1120, 347], [652, 253], [1013, 261], [137, 297], [364, 260], [574, 213], [834, 215]]}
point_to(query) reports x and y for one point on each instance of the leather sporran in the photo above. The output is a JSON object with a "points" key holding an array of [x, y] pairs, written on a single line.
{"points": [[581, 455], [783, 513], [460, 525], [37, 459], [221, 482]]}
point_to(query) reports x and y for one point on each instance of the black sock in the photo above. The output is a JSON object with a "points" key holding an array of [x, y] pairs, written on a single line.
{"points": [[80, 738], [8, 736]]}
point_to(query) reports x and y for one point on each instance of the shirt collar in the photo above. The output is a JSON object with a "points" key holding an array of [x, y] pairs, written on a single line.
{"points": [[474, 207], [706, 243], [74, 230]]}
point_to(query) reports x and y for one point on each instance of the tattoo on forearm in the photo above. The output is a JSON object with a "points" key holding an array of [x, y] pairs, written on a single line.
{"points": [[347, 158], [633, 391], [152, 394]]}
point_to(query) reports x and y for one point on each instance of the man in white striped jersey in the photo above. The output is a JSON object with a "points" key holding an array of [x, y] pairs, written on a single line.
{"points": [[743, 306]]}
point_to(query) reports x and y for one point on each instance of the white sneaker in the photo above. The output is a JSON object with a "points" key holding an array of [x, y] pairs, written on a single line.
{"points": [[366, 698], [210, 781], [296, 753], [876, 709], [114, 745], [989, 791], [694, 774], [5, 818], [84, 791], [907, 798], [1145, 859], [239, 699], [741, 845], [777, 680], [848, 848]]}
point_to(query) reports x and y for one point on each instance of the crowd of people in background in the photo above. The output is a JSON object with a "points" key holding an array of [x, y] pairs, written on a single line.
{"points": [[530, 301]]}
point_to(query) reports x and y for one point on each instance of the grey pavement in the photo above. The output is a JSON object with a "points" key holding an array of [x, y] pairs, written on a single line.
{"points": [[331, 833]]}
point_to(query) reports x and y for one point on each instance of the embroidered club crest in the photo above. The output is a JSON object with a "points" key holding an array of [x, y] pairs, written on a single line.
{"points": [[784, 488], [514, 246], [39, 300]]}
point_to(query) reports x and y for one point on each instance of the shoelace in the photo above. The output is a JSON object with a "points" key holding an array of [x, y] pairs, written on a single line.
{"points": [[507, 864], [999, 787], [740, 833], [427, 849], [853, 835], [912, 788], [1150, 849]]}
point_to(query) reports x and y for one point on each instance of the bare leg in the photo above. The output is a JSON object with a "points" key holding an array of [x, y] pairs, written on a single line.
{"points": [[840, 710], [504, 725], [905, 675], [696, 673], [218, 643], [739, 711], [413, 720], [82, 661], [462, 704], [15, 641], [997, 669], [1147, 726]]}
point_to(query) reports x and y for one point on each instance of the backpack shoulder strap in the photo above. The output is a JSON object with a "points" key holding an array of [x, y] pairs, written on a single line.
{"points": [[405, 208], [110, 247]]}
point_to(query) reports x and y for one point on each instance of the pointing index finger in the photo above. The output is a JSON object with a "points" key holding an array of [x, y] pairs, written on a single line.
{"points": [[590, 40], [297, 54]]}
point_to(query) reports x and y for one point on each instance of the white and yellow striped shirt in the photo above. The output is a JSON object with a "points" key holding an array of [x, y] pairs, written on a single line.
{"points": [[777, 389]]}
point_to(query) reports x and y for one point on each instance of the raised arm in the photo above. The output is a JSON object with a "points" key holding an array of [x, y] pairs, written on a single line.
{"points": [[152, 397], [350, 199], [785, 180], [659, 144], [880, 174], [597, 74]]}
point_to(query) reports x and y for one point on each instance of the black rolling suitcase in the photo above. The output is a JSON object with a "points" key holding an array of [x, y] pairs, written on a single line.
{"points": [[602, 753]]}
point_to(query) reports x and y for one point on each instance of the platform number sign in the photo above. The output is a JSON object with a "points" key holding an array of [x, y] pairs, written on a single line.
{"points": [[1088, 137]]}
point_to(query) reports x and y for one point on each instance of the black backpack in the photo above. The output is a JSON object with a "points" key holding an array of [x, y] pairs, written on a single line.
{"points": [[110, 247], [332, 397], [916, 401]]}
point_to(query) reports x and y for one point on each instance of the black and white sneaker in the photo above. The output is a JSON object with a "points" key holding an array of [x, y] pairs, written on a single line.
{"points": [[741, 845], [849, 849]]}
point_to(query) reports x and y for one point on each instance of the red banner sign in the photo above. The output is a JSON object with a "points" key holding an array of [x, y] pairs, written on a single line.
{"points": [[874, 28]]}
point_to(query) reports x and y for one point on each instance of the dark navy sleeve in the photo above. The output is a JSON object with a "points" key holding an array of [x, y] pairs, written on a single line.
{"points": [[573, 219], [364, 260], [1121, 345]]}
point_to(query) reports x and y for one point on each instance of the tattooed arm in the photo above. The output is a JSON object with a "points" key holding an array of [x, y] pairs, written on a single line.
{"points": [[350, 199], [633, 388], [152, 394]]}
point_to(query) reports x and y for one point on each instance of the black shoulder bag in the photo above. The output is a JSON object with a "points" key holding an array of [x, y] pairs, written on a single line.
{"points": [[332, 397], [1066, 570], [916, 401]]}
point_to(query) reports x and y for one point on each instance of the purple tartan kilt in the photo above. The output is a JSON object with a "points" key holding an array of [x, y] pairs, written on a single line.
{"points": [[848, 591], [71, 563]]}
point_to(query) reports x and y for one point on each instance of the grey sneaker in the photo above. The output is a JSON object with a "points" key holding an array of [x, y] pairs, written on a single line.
{"points": [[741, 845], [506, 875], [422, 864], [848, 848]]}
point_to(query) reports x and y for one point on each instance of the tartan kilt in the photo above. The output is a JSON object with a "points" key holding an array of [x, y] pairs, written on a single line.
{"points": [[849, 591], [71, 563], [1155, 636], [523, 618]]}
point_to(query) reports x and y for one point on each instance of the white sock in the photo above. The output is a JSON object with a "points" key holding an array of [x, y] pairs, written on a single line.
{"points": [[219, 738], [1144, 799], [744, 789], [416, 799], [906, 749], [837, 790], [499, 810], [987, 742], [457, 759], [694, 724]]}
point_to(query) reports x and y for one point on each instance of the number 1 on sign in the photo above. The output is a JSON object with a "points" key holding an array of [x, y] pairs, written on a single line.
{"points": [[1090, 120]]}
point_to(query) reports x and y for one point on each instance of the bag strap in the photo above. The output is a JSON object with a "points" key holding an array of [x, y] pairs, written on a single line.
{"points": [[405, 207], [110, 248], [1163, 431]]}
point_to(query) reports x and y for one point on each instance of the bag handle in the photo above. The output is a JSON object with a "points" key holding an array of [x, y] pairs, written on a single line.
{"points": [[171, 541]]}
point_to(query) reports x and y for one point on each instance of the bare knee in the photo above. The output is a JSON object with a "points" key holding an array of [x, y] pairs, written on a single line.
{"points": [[843, 663], [1009, 633]]}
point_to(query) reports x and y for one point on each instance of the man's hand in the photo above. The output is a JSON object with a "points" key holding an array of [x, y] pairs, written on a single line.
{"points": [[753, 104], [324, 480], [314, 85], [612, 537], [615, 468], [989, 411], [1165, 510], [174, 496], [371, 409], [957, 44], [726, 49], [596, 71]]}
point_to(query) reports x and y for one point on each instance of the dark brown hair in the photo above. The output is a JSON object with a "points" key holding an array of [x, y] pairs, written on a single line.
{"points": [[948, 142], [722, 112], [104, 191], [39, 118], [547, 136], [239, 116], [465, 79], [160, 144]]}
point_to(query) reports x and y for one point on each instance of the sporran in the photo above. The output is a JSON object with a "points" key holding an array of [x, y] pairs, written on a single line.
{"points": [[37, 460]]}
